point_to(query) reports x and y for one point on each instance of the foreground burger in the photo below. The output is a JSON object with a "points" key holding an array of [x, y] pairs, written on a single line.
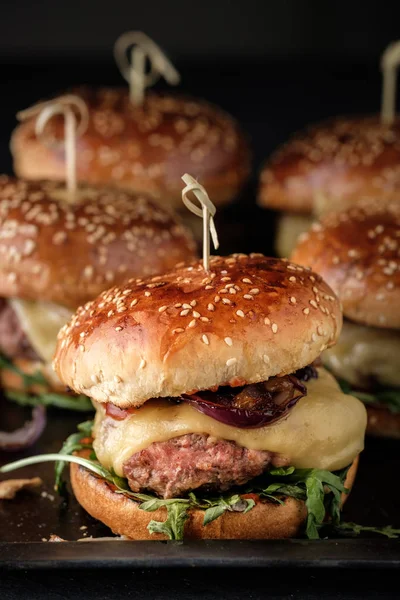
{"points": [[357, 253], [55, 256], [213, 418], [330, 166]]}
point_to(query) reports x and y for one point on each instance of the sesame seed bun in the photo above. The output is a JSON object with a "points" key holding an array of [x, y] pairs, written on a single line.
{"points": [[341, 160], [248, 319], [144, 149], [267, 520], [357, 252], [67, 254]]}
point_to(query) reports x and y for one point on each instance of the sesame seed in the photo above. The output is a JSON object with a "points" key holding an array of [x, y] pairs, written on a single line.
{"points": [[255, 291], [117, 379], [292, 278], [177, 305], [205, 339], [274, 327], [228, 341], [314, 337], [293, 300], [94, 378], [192, 323], [196, 314], [320, 331], [134, 302], [245, 280], [210, 307], [248, 297], [204, 319], [186, 305], [147, 294], [82, 334], [178, 330], [230, 362], [193, 303], [185, 312], [291, 268], [217, 299], [208, 287], [267, 321], [118, 328], [162, 308], [143, 362], [313, 304], [225, 278], [226, 301], [266, 358], [240, 313], [232, 291]]}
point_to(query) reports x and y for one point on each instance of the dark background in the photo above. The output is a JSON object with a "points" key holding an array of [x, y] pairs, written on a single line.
{"points": [[276, 65]]}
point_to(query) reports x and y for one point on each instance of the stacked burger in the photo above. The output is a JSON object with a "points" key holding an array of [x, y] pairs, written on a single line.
{"points": [[214, 418], [357, 253]]}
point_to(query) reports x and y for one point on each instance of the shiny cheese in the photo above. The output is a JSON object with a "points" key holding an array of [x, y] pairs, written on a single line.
{"points": [[324, 430], [365, 353], [289, 228], [41, 322]]}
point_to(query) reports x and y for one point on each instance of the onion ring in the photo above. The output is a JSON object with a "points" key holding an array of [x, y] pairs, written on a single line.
{"points": [[25, 436]]}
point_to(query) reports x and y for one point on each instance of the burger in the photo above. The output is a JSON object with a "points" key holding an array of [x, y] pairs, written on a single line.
{"points": [[330, 166], [357, 252], [144, 148], [55, 256], [214, 418]]}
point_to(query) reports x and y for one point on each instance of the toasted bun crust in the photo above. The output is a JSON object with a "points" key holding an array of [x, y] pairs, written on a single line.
{"points": [[250, 318], [343, 159], [67, 254], [358, 253], [267, 520], [144, 149], [10, 380], [383, 423]]}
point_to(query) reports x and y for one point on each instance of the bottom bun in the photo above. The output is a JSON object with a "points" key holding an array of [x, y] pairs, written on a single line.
{"points": [[10, 380], [383, 423], [267, 520]]}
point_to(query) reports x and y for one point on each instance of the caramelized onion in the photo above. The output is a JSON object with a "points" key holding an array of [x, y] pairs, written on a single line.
{"points": [[26, 435], [255, 405]]}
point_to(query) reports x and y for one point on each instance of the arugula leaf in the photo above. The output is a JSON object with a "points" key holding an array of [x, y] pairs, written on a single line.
{"points": [[79, 403], [72, 444], [27, 379], [348, 527], [388, 397], [173, 526]]}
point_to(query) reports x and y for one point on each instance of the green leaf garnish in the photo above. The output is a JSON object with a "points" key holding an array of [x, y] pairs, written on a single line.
{"points": [[384, 397], [355, 529], [27, 379], [79, 403], [72, 444]]}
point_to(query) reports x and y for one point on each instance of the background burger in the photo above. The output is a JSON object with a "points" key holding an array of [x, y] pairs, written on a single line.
{"points": [[144, 148], [55, 256], [329, 166], [357, 253], [213, 419]]}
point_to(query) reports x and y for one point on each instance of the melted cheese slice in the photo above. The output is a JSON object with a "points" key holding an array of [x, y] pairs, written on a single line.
{"points": [[41, 322], [289, 228], [324, 430], [365, 353]]}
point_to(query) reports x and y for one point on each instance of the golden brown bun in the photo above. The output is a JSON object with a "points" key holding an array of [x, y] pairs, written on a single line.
{"points": [[144, 149], [267, 520], [383, 423], [357, 253], [343, 159], [67, 254], [250, 318], [10, 380]]}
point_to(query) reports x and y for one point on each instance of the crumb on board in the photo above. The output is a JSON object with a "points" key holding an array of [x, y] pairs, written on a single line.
{"points": [[10, 487]]}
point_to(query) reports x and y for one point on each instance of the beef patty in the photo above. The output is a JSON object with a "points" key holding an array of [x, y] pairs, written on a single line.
{"points": [[172, 469], [14, 343]]}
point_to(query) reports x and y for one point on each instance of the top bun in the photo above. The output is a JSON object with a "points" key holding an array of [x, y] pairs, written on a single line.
{"points": [[145, 148], [248, 319], [69, 253], [358, 253], [336, 161]]}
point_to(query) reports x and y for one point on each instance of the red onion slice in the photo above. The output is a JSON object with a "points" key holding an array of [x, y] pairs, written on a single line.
{"points": [[25, 436], [248, 418]]}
